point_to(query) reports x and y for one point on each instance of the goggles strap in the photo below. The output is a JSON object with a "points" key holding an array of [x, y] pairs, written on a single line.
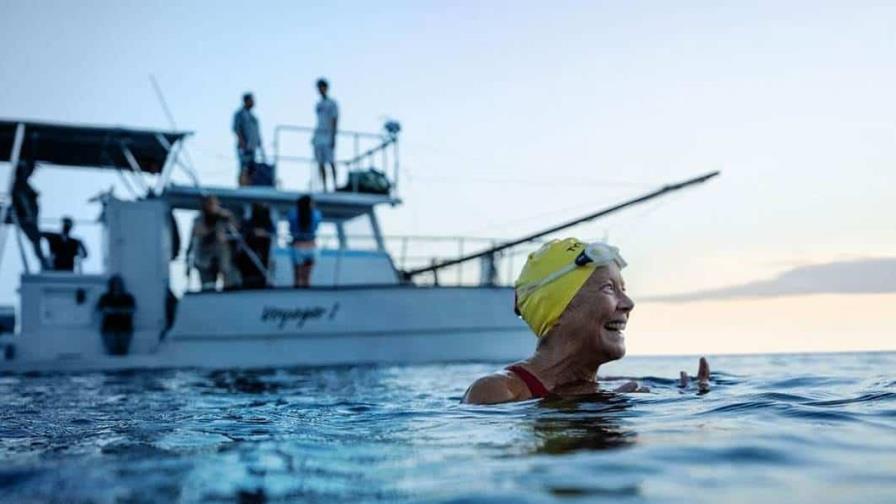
{"points": [[527, 289]]}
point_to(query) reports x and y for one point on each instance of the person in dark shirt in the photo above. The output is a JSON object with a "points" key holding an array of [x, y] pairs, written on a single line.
{"points": [[64, 248], [117, 308], [248, 137], [257, 231]]}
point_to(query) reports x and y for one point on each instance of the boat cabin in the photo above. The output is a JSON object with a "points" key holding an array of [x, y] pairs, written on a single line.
{"points": [[352, 250], [142, 237]]}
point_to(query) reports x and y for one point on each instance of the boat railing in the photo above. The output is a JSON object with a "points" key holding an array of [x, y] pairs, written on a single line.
{"points": [[408, 252], [365, 151], [498, 269]]}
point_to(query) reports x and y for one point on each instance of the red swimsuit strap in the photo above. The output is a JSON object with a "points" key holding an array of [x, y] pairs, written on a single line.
{"points": [[536, 388]]}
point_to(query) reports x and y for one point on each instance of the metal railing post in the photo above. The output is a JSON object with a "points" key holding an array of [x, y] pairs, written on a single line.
{"points": [[170, 161], [276, 144], [395, 171], [135, 167], [404, 251], [510, 266], [460, 267]]}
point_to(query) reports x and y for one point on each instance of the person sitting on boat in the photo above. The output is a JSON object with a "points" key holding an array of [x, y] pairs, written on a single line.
{"points": [[252, 261], [116, 307], [573, 297], [209, 250], [324, 139], [248, 137], [303, 223], [64, 248], [25, 210]]}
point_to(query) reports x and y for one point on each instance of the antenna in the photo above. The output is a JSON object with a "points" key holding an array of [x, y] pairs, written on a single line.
{"points": [[188, 167], [162, 102]]}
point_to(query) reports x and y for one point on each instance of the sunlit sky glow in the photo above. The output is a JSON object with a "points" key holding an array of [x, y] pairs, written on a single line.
{"points": [[517, 115]]}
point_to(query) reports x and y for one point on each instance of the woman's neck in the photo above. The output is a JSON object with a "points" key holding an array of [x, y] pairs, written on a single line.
{"points": [[558, 364]]}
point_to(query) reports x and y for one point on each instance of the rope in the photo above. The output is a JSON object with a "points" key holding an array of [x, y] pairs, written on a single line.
{"points": [[531, 218], [538, 182]]}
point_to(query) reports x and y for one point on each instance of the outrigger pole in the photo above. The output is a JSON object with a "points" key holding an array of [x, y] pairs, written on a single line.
{"points": [[491, 251]]}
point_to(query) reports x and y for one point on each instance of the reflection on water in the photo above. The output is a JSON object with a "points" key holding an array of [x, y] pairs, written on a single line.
{"points": [[585, 423], [244, 381], [818, 427]]}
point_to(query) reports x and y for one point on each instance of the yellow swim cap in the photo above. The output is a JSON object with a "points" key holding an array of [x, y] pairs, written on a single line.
{"points": [[553, 275]]}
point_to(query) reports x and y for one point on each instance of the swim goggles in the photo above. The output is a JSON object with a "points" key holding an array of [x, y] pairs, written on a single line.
{"points": [[597, 254]]}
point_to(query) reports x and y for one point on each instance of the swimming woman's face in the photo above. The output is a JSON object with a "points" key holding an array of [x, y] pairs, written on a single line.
{"points": [[599, 312]]}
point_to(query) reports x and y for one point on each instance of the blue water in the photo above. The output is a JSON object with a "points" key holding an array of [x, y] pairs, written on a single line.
{"points": [[783, 428]]}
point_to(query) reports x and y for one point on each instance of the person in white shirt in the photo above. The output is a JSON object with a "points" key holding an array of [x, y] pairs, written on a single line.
{"points": [[324, 139]]}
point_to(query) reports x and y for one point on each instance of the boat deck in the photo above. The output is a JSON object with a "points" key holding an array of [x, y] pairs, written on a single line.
{"points": [[334, 205]]}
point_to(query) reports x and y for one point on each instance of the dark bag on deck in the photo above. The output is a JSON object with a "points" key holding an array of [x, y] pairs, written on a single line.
{"points": [[261, 174], [369, 181]]}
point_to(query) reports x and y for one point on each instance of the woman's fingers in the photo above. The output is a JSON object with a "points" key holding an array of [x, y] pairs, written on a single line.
{"points": [[703, 375], [703, 371], [683, 379], [631, 386]]}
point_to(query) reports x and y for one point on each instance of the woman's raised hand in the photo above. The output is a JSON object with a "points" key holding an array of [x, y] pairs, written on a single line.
{"points": [[702, 377]]}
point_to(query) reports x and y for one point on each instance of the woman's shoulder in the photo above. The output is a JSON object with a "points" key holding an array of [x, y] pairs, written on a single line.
{"points": [[498, 387]]}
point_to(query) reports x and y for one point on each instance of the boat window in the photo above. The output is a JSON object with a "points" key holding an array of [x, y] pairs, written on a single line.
{"points": [[359, 233], [327, 237]]}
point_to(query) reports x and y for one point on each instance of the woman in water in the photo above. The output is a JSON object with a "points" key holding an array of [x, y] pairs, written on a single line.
{"points": [[303, 224], [573, 297]]}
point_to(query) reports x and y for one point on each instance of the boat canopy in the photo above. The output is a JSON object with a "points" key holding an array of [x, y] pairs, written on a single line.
{"points": [[335, 206], [88, 146]]}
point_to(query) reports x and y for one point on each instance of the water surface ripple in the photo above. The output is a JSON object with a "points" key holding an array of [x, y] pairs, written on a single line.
{"points": [[784, 428]]}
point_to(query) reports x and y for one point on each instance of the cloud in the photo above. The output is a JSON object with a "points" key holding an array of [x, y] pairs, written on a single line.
{"points": [[864, 276]]}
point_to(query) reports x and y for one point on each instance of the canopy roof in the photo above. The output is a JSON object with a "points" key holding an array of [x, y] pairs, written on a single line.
{"points": [[90, 146], [335, 206]]}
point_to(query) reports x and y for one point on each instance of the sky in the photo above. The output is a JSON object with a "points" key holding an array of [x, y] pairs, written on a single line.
{"points": [[518, 115]]}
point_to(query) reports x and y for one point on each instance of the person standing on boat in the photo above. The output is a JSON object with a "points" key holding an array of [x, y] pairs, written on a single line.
{"points": [[209, 250], [572, 296], [64, 248], [25, 209], [324, 139], [248, 137], [303, 223]]}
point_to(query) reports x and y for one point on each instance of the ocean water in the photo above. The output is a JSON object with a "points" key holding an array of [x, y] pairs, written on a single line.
{"points": [[779, 428]]}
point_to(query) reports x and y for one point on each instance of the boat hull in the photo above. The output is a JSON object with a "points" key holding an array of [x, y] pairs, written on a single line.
{"points": [[322, 326]]}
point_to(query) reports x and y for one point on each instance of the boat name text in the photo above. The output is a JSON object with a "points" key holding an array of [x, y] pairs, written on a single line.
{"points": [[299, 315]]}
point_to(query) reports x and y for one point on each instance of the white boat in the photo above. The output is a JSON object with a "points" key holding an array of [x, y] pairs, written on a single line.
{"points": [[360, 307]]}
